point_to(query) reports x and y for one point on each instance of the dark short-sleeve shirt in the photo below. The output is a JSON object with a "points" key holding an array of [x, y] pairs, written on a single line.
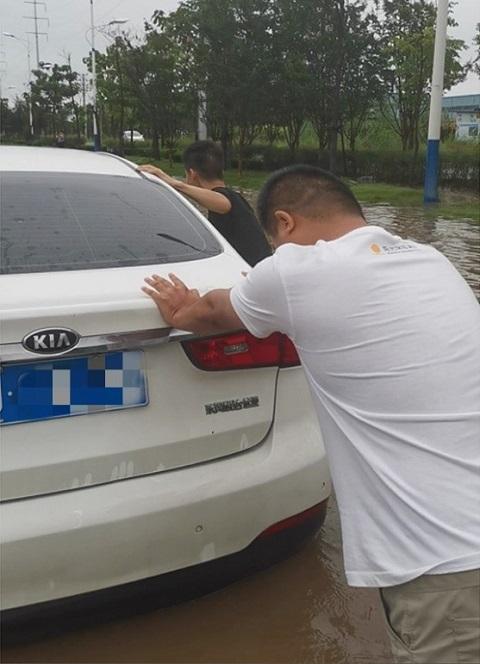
{"points": [[240, 227]]}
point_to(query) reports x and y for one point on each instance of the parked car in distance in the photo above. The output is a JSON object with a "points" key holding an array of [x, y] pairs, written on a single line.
{"points": [[135, 458], [133, 135]]}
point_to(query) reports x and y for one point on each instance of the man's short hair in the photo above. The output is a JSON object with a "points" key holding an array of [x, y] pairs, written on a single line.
{"points": [[307, 190], [205, 157]]}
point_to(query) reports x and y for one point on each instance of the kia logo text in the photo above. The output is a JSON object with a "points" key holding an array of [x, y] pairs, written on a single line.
{"points": [[51, 341]]}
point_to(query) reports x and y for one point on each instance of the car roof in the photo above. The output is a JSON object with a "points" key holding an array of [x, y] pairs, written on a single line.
{"points": [[61, 160]]}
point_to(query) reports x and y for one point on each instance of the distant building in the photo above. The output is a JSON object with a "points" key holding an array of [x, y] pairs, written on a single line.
{"points": [[465, 111]]}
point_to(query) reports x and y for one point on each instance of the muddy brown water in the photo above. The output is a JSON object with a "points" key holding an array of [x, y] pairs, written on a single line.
{"points": [[298, 612]]}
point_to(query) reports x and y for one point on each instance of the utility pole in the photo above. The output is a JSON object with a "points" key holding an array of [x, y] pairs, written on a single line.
{"points": [[26, 44], [30, 101], [1, 106], [84, 104], [2, 63], [430, 193], [118, 21], [36, 18]]}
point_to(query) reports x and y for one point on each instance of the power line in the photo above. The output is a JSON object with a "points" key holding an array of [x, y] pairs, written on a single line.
{"points": [[36, 18]]}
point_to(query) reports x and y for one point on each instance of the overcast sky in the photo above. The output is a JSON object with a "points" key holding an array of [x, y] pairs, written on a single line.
{"points": [[69, 20]]}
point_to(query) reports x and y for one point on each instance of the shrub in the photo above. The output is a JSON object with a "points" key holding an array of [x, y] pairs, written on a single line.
{"points": [[459, 167]]}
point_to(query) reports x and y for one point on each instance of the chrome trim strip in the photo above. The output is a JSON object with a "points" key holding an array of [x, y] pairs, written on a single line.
{"points": [[101, 343]]}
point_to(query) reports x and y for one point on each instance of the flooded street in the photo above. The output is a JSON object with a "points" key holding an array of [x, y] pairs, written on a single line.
{"points": [[299, 611]]}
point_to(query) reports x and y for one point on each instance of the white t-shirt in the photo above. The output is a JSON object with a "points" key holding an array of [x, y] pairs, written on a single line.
{"points": [[388, 333]]}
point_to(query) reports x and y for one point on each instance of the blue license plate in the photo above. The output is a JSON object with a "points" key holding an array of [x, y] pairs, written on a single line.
{"points": [[77, 386]]}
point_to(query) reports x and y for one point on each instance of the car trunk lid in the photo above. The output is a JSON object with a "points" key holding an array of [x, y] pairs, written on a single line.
{"points": [[185, 415]]}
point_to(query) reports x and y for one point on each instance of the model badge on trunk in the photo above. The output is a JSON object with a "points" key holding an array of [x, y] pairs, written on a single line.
{"points": [[231, 404], [51, 341]]}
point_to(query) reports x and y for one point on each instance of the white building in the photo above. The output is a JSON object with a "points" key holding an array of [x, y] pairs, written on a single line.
{"points": [[465, 110]]}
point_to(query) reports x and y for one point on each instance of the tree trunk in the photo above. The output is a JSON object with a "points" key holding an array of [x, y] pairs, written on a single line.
{"points": [[353, 156], [226, 146], [332, 149], [155, 143], [344, 155]]}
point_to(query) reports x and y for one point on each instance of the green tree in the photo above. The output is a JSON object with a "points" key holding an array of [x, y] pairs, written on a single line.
{"points": [[72, 81], [226, 44], [364, 62], [113, 91], [289, 76], [153, 79], [343, 59], [53, 96], [476, 61], [409, 34]]}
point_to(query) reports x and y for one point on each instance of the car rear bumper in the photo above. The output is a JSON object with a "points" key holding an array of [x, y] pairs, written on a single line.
{"points": [[46, 619], [82, 541]]}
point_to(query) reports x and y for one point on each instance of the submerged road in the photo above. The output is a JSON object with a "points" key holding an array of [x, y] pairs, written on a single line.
{"points": [[299, 611]]}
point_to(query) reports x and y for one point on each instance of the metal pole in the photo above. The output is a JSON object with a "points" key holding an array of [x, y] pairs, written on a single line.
{"points": [[1, 106], [84, 103], [26, 43], [30, 101], [430, 194], [36, 32], [202, 111], [96, 135]]}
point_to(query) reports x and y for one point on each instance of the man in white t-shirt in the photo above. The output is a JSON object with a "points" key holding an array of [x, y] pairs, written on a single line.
{"points": [[388, 333]]}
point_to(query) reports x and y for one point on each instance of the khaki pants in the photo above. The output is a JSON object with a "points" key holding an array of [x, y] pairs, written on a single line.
{"points": [[435, 619]]}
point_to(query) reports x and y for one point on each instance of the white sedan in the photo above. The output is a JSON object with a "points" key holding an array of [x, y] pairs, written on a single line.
{"points": [[133, 454], [133, 135]]}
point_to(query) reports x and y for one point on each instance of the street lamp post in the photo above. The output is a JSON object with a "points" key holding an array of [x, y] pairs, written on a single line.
{"points": [[26, 43], [96, 133], [430, 194]]}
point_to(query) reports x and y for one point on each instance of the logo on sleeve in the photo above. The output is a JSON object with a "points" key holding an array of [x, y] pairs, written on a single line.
{"points": [[389, 249]]}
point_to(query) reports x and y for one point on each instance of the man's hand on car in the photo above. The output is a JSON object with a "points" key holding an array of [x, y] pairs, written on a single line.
{"points": [[161, 175], [170, 296]]}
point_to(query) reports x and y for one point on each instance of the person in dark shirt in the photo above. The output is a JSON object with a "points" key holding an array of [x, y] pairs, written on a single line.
{"points": [[60, 140], [228, 210]]}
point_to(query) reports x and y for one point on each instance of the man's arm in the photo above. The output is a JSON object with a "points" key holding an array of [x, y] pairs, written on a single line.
{"points": [[184, 309], [211, 200]]}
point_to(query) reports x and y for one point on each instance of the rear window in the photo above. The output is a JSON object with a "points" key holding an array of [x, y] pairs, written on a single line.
{"points": [[65, 221]]}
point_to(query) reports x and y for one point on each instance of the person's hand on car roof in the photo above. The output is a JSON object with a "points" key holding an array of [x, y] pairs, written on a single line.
{"points": [[161, 175]]}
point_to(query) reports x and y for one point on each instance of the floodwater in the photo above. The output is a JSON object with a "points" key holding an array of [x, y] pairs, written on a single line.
{"points": [[458, 240], [298, 612]]}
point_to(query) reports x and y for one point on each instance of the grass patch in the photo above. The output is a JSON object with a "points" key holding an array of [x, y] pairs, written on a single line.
{"points": [[453, 205]]}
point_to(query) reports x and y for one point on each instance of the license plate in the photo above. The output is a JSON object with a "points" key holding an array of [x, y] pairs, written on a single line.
{"points": [[77, 386]]}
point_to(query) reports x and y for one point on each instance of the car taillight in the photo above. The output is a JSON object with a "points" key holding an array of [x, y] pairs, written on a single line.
{"points": [[241, 350]]}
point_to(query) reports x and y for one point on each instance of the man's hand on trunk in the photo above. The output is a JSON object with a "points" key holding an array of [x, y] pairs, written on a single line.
{"points": [[170, 296]]}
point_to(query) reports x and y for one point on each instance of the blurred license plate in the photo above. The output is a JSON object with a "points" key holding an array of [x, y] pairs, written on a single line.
{"points": [[77, 386]]}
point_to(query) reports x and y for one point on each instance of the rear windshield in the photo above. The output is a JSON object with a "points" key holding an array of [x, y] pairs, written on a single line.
{"points": [[65, 221]]}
